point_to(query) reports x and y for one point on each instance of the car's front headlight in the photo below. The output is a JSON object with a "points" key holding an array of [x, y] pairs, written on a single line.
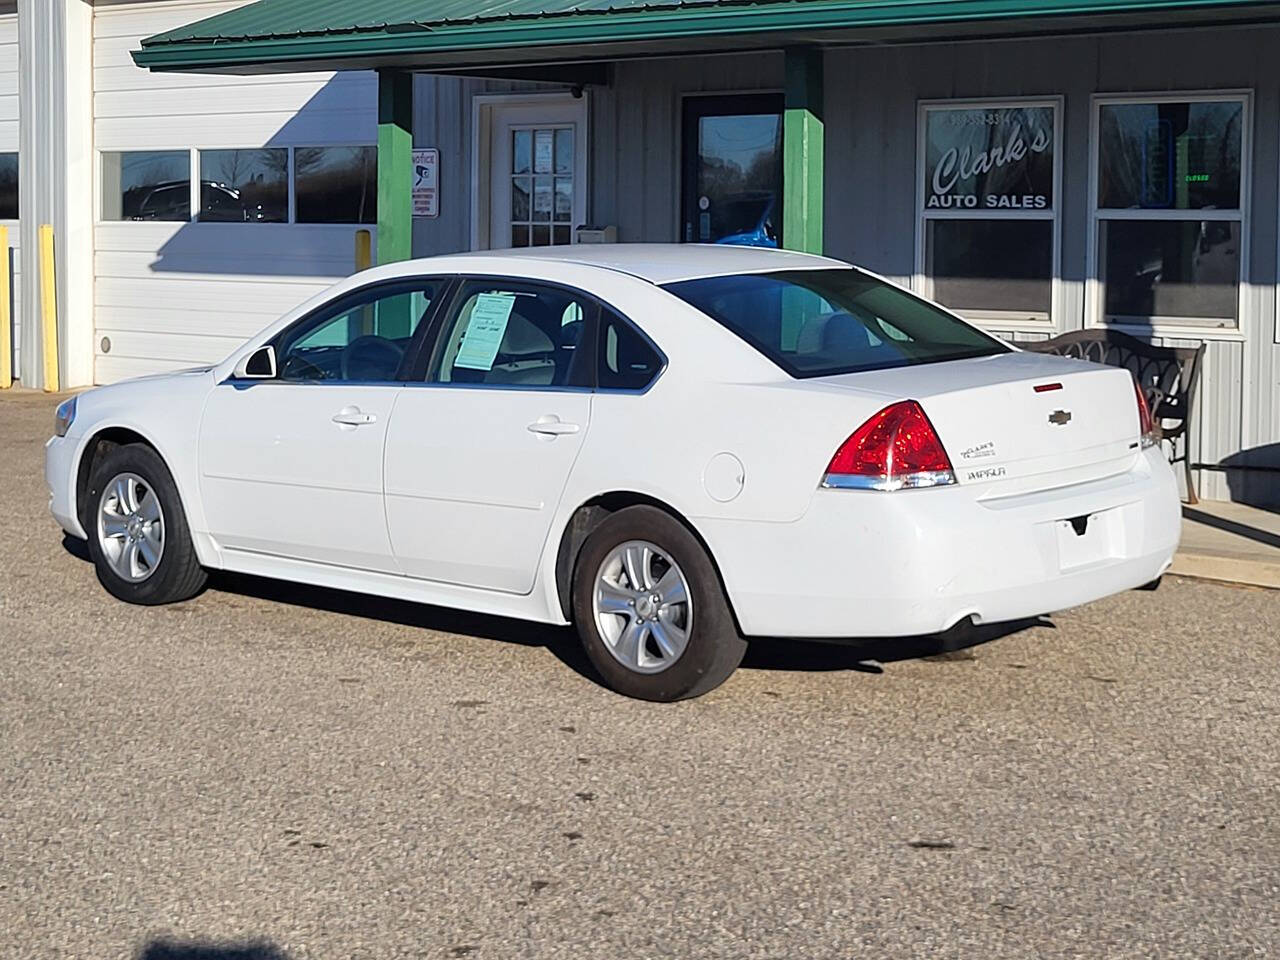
{"points": [[64, 416]]}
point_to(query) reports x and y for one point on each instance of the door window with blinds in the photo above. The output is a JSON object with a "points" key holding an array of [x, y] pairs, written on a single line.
{"points": [[1169, 208], [988, 204], [542, 186]]}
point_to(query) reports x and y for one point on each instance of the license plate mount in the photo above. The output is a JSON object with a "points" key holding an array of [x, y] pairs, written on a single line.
{"points": [[1090, 538]]}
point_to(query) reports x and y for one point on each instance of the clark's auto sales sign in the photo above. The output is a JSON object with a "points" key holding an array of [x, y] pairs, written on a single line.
{"points": [[989, 159]]}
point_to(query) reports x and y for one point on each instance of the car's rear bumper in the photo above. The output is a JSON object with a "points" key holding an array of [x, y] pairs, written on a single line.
{"points": [[864, 563]]}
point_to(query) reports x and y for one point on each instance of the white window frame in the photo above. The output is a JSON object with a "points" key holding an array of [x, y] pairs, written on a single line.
{"points": [[1095, 288], [194, 154], [1002, 320]]}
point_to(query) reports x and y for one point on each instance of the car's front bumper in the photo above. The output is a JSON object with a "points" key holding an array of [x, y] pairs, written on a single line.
{"points": [[60, 459], [870, 564]]}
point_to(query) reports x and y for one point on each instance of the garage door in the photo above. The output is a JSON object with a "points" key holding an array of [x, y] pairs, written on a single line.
{"points": [[224, 201]]}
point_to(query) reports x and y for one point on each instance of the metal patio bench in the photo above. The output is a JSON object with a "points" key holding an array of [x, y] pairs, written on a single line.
{"points": [[1168, 377]]}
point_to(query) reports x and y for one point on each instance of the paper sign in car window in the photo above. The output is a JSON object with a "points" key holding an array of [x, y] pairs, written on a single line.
{"points": [[485, 330]]}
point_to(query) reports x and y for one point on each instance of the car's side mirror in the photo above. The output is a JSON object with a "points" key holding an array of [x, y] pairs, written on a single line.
{"points": [[259, 365]]}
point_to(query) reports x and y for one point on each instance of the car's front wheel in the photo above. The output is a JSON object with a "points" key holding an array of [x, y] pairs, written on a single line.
{"points": [[650, 608], [138, 536]]}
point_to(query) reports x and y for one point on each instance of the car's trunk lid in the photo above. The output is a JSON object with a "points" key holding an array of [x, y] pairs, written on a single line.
{"points": [[1027, 420]]}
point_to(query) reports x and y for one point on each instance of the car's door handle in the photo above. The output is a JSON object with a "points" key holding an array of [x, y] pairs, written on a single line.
{"points": [[552, 426], [351, 417]]}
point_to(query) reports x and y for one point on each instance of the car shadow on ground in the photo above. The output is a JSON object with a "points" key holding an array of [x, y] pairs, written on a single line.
{"points": [[166, 949], [864, 655]]}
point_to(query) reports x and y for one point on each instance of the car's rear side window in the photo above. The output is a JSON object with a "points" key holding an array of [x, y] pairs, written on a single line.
{"points": [[627, 361], [817, 323]]}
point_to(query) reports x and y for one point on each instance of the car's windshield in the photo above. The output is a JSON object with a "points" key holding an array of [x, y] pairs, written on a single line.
{"points": [[817, 323]]}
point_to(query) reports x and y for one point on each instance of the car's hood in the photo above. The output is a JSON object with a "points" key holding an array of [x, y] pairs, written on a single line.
{"points": [[150, 378]]}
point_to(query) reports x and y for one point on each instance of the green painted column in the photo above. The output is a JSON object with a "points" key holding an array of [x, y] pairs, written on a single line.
{"points": [[802, 152], [395, 165]]}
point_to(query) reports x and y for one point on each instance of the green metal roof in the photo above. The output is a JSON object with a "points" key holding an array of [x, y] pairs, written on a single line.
{"points": [[277, 32]]}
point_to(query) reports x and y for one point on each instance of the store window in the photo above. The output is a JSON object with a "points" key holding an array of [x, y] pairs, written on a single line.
{"points": [[988, 207], [336, 184], [8, 186], [1169, 209], [146, 185], [244, 186]]}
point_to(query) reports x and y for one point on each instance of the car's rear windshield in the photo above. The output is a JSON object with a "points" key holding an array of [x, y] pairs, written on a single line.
{"points": [[818, 323]]}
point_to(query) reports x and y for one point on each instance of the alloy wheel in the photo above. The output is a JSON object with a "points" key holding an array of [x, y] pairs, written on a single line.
{"points": [[131, 527], [642, 607]]}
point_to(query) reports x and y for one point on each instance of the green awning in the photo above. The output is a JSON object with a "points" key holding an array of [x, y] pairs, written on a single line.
{"points": [[272, 35]]}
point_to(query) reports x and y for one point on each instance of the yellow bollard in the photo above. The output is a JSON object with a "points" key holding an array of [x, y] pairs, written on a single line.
{"points": [[48, 310], [6, 316], [364, 250]]}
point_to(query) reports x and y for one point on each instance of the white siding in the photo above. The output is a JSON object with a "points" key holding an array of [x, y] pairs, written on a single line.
{"points": [[169, 295], [9, 144]]}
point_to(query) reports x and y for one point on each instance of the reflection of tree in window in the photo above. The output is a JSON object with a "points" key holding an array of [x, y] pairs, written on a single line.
{"points": [[1181, 156], [738, 170], [8, 186], [335, 184], [152, 184], [248, 186]]}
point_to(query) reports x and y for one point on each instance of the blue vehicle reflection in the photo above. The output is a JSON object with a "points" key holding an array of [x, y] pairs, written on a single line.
{"points": [[748, 220]]}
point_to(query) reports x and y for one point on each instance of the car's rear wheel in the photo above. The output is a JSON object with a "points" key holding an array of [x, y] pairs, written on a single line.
{"points": [[650, 609], [138, 536]]}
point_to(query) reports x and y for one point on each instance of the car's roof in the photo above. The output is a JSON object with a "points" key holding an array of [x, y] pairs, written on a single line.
{"points": [[656, 262]]}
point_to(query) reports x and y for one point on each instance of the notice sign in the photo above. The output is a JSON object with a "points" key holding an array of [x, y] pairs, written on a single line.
{"points": [[989, 158], [543, 146], [486, 327], [426, 183]]}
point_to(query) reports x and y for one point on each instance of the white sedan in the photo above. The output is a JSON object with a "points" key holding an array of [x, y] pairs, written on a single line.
{"points": [[673, 448]]}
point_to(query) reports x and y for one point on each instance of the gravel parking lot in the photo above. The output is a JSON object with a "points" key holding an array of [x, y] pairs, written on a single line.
{"points": [[277, 772]]}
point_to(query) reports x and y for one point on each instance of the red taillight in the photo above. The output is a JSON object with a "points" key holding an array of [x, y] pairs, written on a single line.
{"points": [[1147, 426], [896, 448]]}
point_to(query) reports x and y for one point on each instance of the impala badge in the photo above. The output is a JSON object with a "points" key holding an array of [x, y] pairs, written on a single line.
{"points": [[1060, 418]]}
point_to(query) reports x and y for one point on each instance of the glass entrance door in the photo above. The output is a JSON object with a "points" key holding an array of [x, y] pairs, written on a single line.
{"points": [[732, 177]]}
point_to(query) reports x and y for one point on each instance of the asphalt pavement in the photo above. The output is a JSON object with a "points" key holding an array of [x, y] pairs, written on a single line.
{"points": [[271, 772]]}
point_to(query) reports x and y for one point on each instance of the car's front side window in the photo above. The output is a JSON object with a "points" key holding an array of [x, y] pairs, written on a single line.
{"points": [[362, 339], [515, 335]]}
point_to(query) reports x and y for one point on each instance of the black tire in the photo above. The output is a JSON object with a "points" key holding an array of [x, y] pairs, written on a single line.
{"points": [[178, 575], [714, 648], [1153, 585]]}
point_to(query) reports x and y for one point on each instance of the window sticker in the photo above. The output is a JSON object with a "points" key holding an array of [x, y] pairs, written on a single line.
{"points": [[485, 330]]}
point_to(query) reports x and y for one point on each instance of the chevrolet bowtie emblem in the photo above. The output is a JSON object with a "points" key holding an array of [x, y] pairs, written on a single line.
{"points": [[1060, 418]]}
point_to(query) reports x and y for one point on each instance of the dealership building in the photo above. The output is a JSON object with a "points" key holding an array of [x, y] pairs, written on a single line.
{"points": [[1040, 166]]}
